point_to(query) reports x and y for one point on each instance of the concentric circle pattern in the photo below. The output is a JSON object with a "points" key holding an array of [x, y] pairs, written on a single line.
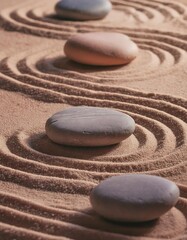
{"points": [[158, 146], [47, 173], [40, 19], [47, 67]]}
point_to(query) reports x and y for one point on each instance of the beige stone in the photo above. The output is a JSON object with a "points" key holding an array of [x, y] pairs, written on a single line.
{"points": [[101, 48]]}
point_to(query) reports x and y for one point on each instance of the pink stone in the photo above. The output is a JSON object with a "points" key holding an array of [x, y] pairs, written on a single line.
{"points": [[101, 48]]}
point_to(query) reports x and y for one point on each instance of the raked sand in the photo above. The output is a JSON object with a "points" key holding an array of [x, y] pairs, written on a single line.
{"points": [[44, 187]]}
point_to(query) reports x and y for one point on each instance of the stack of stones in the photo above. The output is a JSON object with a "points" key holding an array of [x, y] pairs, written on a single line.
{"points": [[127, 197]]}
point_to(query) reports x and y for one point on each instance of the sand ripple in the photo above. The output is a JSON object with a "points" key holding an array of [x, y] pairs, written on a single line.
{"points": [[39, 18], [29, 160], [160, 56], [29, 219]]}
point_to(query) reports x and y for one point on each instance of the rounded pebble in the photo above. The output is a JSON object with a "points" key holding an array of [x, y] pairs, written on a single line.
{"points": [[134, 197], [83, 9], [89, 126], [101, 48]]}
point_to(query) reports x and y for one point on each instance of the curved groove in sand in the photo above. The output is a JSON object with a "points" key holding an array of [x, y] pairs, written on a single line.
{"points": [[160, 54], [66, 222], [161, 120], [158, 146], [40, 19]]}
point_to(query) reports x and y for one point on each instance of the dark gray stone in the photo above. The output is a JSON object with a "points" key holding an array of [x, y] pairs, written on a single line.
{"points": [[134, 197], [83, 9], [89, 126]]}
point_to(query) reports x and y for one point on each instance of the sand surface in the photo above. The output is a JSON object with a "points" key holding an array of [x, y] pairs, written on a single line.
{"points": [[44, 187]]}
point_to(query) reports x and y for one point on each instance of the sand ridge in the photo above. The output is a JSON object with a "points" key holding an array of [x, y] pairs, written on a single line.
{"points": [[40, 18], [44, 186]]}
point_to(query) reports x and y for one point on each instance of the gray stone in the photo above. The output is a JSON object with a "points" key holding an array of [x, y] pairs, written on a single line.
{"points": [[83, 9], [89, 126], [134, 197]]}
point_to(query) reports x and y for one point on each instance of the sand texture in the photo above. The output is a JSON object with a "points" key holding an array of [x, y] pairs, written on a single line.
{"points": [[45, 187]]}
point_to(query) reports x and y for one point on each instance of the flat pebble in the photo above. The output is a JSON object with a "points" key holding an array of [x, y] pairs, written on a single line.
{"points": [[89, 126], [101, 48], [134, 197], [83, 9]]}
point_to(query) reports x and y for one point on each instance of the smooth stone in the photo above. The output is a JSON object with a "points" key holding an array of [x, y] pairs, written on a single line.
{"points": [[101, 48], [89, 126], [83, 9], [134, 197]]}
